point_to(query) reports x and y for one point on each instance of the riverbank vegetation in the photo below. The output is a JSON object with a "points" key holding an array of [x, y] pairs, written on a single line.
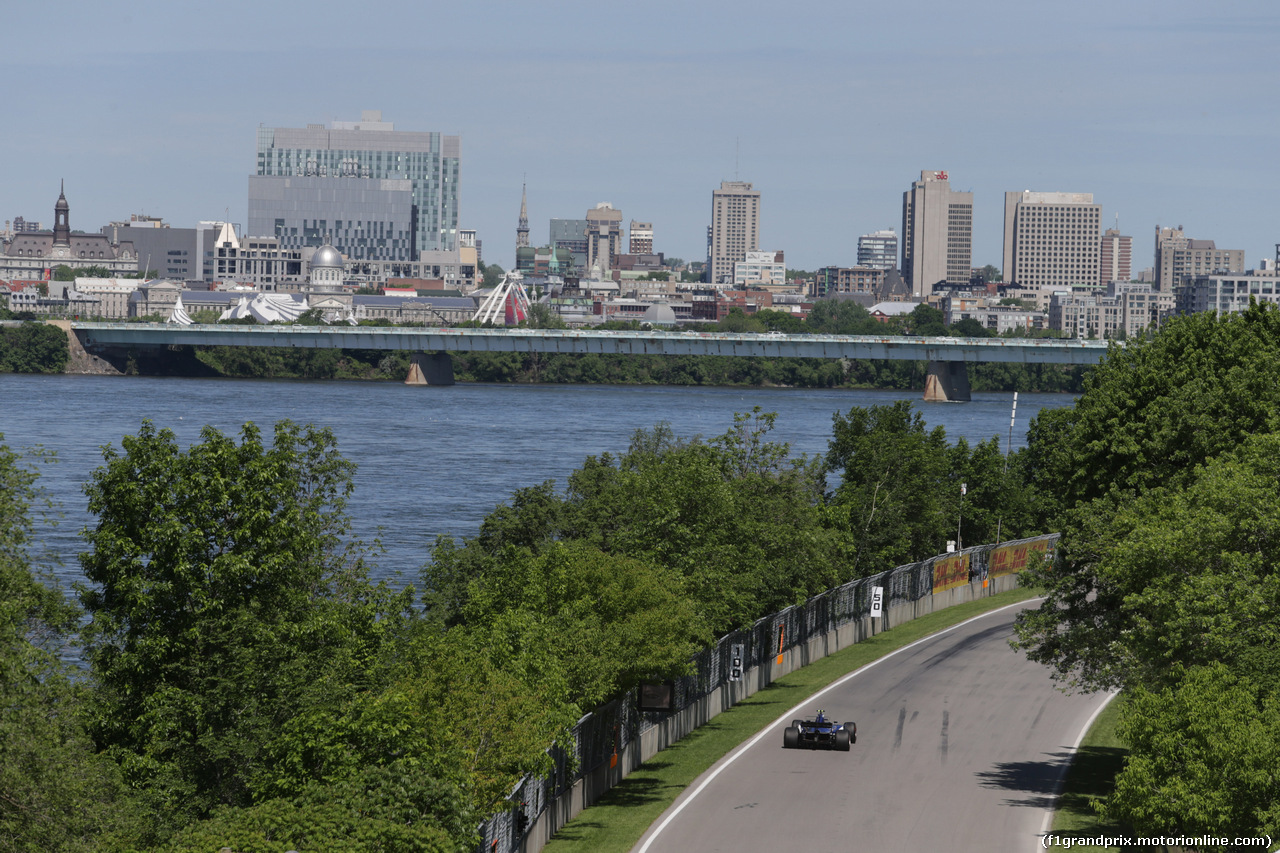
{"points": [[33, 348]]}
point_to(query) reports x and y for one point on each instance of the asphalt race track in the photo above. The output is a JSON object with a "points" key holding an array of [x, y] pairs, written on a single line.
{"points": [[961, 746]]}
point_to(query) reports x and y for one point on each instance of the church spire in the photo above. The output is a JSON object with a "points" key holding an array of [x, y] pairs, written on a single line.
{"points": [[61, 211], [522, 230]]}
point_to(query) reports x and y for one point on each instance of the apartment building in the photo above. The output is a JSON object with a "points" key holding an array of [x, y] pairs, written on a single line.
{"points": [[1051, 238], [735, 229], [1179, 257]]}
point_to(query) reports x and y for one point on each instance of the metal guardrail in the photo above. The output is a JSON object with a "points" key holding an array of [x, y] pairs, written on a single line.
{"points": [[612, 727]]}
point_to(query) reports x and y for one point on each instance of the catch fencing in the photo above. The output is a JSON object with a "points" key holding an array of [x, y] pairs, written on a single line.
{"points": [[617, 737]]}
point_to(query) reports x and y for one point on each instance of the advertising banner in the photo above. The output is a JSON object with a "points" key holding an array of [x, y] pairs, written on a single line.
{"points": [[1014, 558], [950, 572]]}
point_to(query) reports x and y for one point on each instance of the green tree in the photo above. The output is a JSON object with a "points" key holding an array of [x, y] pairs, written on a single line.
{"points": [[926, 320], [737, 518], [56, 792], [542, 317], [1203, 757], [604, 622], [33, 348], [841, 317], [226, 597], [738, 321], [1149, 415], [467, 708], [492, 275], [310, 317], [969, 328], [780, 321], [895, 492], [991, 273], [1166, 486], [1182, 575], [62, 272]]}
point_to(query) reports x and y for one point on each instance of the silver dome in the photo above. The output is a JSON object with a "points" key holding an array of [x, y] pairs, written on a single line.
{"points": [[327, 256]]}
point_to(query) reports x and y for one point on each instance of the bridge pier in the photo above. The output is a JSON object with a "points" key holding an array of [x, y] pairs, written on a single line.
{"points": [[430, 368], [947, 382]]}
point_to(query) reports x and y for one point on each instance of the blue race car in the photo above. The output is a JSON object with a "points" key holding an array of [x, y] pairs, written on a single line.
{"points": [[820, 731]]}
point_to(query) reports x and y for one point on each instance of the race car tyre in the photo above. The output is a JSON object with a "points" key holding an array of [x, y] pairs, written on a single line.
{"points": [[842, 740], [852, 729], [791, 737]]}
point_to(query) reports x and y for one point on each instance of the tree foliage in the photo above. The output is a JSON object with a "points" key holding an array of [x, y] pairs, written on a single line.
{"points": [[225, 595], [394, 807], [56, 792], [1151, 414], [1203, 758], [1165, 481], [33, 348], [735, 519]]}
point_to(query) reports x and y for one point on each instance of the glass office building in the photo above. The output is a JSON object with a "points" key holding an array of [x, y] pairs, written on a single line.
{"points": [[372, 149], [363, 218]]}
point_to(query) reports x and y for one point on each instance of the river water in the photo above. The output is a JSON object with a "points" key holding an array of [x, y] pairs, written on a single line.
{"points": [[431, 460]]}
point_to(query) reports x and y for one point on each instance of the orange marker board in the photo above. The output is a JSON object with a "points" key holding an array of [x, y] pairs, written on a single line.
{"points": [[950, 572]]}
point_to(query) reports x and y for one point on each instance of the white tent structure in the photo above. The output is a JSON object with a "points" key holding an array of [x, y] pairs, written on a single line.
{"points": [[266, 308], [180, 315]]}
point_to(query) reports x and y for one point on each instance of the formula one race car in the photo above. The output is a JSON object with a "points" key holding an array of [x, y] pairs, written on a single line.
{"points": [[820, 731]]}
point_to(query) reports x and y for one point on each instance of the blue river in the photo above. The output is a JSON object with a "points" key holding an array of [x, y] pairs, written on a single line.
{"points": [[431, 460]]}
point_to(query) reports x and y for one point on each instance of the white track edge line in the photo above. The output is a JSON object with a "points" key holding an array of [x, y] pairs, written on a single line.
{"points": [[809, 700], [1052, 809]]}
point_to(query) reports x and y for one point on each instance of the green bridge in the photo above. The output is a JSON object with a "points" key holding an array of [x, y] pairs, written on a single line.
{"points": [[946, 356]]}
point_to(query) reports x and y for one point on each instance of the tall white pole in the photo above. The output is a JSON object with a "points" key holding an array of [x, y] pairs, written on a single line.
{"points": [[1012, 415]]}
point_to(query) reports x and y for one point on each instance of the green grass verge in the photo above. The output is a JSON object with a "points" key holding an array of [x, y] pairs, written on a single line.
{"points": [[615, 824], [1091, 777]]}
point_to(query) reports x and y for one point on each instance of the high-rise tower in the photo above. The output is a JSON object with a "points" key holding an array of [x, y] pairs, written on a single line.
{"points": [[735, 229], [1115, 257], [1051, 239], [372, 149], [937, 234]]}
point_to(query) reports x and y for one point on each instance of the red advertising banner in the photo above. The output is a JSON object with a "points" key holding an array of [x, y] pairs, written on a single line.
{"points": [[950, 572], [1014, 558]]}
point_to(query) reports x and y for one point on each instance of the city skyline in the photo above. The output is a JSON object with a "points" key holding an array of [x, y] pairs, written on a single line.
{"points": [[1146, 106]]}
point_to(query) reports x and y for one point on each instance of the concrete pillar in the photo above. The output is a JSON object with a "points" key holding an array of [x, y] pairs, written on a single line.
{"points": [[430, 368], [948, 382]]}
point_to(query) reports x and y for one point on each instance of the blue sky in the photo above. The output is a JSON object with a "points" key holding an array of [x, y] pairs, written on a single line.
{"points": [[1168, 112]]}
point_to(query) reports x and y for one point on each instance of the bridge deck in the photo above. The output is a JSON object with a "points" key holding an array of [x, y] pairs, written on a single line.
{"points": [[910, 348]]}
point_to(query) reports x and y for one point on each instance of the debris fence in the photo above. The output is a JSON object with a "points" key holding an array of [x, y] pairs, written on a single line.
{"points": [[600, 736]]}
